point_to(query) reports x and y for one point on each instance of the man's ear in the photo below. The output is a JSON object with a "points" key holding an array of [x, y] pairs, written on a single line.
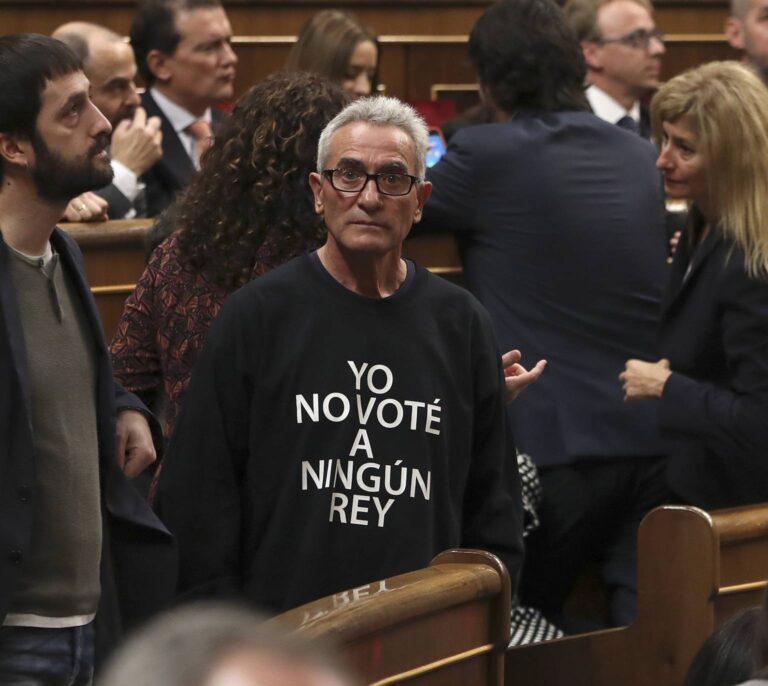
{"points": [[424, 192], [734, 32], [593, 54], [315, 183], [158, 64], [14, 150]]}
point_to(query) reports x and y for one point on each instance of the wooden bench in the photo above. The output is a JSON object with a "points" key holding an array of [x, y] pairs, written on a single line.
{"points": [[445, 625], [695, 570], [114, 260]]}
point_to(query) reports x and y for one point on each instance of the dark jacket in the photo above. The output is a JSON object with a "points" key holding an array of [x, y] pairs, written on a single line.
{"points": [[174, 170], [139, 558], [714, 408], [560, 219]]}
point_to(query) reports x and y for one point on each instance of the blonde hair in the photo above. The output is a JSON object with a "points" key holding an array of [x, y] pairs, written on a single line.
{"points": [[726, 106]]}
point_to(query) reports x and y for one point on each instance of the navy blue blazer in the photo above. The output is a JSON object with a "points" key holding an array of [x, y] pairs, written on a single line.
{"points": [[174, 170], [714, 408], [560, 221], [139, 557]]}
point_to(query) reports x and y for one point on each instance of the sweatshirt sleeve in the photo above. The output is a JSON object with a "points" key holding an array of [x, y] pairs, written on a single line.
{"points": [[199, 496], [493, 518]]}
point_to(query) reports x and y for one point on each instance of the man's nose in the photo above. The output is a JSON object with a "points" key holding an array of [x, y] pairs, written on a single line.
{"points": [[369, 194], [229, 54], [656, 46]]}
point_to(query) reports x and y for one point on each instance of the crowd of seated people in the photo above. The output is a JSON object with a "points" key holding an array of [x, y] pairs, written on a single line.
{"points": [[346, 399]]}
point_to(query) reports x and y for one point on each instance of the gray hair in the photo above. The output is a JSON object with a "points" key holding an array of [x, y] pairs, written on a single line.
{"points": [[183, 647], [379, 111]]}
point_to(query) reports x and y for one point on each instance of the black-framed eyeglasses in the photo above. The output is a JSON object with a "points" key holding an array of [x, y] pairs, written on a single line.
{"points": [[353, 181], [639, 39]]}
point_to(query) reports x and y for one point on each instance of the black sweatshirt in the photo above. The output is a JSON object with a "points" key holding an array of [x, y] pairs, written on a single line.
{"points": [[328, 440]]}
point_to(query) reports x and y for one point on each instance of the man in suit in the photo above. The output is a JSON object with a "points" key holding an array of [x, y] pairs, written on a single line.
{"points": [[747, 29], [77, 540], [623, 52], [560, 219], [136, 142], [184, 54]]}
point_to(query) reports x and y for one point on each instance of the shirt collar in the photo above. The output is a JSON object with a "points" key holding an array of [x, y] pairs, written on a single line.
{"points": [[605, 107], [179, 117]]}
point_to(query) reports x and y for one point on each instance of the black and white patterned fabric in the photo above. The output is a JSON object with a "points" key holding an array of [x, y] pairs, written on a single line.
{"points": [[528, 624]]}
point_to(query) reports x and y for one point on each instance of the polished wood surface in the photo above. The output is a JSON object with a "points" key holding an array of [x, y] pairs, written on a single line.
{"points": [[114, 254], [695, 569], [446, 624], [114, 260], [423, 41]]}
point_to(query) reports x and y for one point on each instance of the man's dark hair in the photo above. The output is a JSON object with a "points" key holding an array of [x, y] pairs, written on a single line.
{"points": [[527, 57], [27, 62], [154, 28], [730, 654]]}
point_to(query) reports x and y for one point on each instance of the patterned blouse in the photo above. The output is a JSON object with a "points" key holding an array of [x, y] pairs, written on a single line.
{"points": [[165, 321]]}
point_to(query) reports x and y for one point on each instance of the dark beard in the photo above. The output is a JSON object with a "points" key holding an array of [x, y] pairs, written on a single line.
{"points": [[124, 113], [57, 179]]}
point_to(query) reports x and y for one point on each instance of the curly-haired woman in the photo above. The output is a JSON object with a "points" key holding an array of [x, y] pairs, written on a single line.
{"points": [[247, 211]]}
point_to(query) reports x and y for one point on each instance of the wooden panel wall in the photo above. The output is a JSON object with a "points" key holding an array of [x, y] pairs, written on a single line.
{"points": [[423, 41]]}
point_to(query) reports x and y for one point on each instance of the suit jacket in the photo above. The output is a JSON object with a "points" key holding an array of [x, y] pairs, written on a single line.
{"points": [[119, 204], [174, 170], [138, 559], [714, 408], [560, 220]]}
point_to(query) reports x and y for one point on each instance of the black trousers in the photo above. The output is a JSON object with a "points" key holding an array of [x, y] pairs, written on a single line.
{"points": [[590, 513]]}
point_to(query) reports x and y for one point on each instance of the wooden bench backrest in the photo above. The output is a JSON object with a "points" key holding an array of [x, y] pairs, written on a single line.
{"points": [[447, 624], [694, 571], [114, 253]]}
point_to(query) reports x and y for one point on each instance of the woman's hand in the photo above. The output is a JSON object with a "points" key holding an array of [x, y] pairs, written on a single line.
{"points": [[642, 380]]}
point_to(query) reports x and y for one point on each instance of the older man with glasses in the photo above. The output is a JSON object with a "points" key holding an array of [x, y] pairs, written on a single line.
{"points": [[346, 418], [623, 51]]}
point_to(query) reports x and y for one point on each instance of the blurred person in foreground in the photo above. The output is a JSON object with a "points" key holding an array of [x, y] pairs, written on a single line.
{"points": [[220, 645], [712, 381]]}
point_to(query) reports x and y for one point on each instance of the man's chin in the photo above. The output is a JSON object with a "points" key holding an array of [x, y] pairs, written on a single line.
{"points": [[103, 177]]}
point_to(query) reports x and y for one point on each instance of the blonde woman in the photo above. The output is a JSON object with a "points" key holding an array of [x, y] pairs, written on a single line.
{"points": [[711, 124]]}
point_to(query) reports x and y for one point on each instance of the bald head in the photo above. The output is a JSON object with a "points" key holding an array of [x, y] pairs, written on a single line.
{"points": [[747, 30], [109, 65]]}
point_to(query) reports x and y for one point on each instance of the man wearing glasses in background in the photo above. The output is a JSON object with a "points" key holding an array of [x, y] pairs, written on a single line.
{"points": [[623, 51], [346, 418]]}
